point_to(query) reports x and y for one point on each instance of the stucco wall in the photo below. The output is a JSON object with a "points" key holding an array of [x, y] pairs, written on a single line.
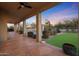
{"points": [[3, 30]]}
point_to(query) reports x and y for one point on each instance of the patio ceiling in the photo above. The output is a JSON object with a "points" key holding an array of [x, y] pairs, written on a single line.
{"points": [[10, 13]]}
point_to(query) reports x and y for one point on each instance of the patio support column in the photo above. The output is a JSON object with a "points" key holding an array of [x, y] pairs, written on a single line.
{"points": [[24, 28], [38, 28], [15, 27], [18, 27], [3, 30]]}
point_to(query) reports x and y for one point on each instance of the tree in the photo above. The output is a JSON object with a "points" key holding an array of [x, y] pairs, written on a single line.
{"points": [[48, 27], [60, 25], [71, 24]]}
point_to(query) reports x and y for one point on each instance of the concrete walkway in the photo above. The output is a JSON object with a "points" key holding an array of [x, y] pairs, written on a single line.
{"points": [[17, 45]]}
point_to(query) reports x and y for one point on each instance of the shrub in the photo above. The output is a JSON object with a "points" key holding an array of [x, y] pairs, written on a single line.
{"points": [[45, 34], [69, 49]]}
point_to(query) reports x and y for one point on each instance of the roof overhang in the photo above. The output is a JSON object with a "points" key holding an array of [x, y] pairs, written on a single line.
{"points": [[9, 10]]}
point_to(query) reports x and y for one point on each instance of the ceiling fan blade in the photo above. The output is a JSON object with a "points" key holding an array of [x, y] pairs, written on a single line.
{"points": [[24, 4], [21, 3], [28, 6]]}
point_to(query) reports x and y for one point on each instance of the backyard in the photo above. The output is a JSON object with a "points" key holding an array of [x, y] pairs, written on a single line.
{"points": [[59, 40]]}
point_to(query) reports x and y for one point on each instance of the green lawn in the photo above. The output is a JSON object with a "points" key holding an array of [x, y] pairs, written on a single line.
{"points": [[59, 40]]}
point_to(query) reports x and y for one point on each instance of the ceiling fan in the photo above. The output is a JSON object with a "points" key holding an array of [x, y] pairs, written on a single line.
{"points": [[24, 5]]}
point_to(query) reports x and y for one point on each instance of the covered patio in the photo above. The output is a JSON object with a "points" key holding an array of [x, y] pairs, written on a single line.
{"points": [[21, 45], [17, 45]]}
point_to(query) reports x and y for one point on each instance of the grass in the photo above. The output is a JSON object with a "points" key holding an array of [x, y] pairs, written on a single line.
{"points": [[59, 40]]}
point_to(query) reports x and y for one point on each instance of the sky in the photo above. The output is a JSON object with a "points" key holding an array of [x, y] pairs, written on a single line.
{"points": [[61, 12], [65, 10], [58, 13]]}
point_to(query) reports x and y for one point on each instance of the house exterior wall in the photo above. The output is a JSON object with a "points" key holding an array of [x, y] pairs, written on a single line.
{"points": [[3, 30]]}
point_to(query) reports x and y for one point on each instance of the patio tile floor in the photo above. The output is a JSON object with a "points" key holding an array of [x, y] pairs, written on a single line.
{"points": [[17, 45]]}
